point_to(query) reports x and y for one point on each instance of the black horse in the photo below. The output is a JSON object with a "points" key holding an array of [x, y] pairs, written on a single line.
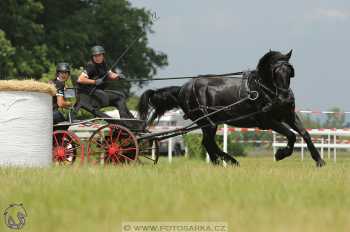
{"points": [[261, 98]]}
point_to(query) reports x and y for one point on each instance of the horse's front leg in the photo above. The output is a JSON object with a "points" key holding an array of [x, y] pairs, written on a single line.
{"points": [[284, 130], [297, 125]]}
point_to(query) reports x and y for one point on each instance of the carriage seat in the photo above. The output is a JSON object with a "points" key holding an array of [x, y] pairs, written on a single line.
{"points": [[94, 103]]}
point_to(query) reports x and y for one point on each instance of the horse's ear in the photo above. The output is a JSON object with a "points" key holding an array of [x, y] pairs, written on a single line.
{"points": [[289, 54]]}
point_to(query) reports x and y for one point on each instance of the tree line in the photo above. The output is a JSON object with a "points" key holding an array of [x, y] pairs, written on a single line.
{"points": [[336, 119]]}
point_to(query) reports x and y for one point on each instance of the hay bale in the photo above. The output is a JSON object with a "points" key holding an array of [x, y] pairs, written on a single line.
{"points": [[25, 123]]}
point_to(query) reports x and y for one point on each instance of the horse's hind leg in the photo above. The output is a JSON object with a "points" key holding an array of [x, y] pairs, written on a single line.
{"points": [[213, 149], [207, 142]]}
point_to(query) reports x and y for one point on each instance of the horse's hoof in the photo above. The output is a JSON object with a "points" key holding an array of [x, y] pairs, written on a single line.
{"points": [[282, 153], [320, 163], [279, 155], [278, 158]]}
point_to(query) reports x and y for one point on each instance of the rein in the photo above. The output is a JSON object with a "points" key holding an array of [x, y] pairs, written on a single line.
{"points": [[233, 75], [217, 111], [192, 126]]}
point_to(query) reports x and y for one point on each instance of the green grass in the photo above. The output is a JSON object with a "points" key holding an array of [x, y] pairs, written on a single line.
{"points": [[261, 195]]}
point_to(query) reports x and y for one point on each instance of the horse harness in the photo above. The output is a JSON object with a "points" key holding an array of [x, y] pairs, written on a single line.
{"points": [[250, 79]]}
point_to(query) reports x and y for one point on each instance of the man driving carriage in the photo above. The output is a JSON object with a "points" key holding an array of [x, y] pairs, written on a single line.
{"points": [[59, 102], [91, 83]]}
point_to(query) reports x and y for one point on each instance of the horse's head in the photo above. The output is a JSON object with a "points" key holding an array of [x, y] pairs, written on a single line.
{"points": [[275, 70]]}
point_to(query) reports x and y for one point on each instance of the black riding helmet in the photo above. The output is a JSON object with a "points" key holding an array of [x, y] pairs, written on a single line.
{"points": [[95, 50], [62, 67]]}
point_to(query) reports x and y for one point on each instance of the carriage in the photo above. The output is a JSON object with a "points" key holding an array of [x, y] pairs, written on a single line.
{"points": [[112, 140]]}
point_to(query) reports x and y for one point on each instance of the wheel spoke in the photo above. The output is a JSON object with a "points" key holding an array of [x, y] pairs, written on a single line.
{"points": [[125, 156], [102, 137], [99, 143], [55, 138], [116, 159], [118, 145], [70, 140], [118, 136], [128, 149], [127, 140], [63, 137], [74, 148], [108, 159], [148, 158], [113, 158], [110, 133]]}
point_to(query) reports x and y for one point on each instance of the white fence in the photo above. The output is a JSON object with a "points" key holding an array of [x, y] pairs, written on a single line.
{"points": [[328, 139]]}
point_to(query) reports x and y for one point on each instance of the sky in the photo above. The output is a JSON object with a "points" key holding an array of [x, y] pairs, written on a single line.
{"points": [[221, 36]]}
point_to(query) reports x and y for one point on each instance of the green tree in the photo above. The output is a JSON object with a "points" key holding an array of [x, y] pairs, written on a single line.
{"points": [[114, 24], [6, 51], [132, 102], [309, 122], [336, 119], [45, 32], [19, 21]]}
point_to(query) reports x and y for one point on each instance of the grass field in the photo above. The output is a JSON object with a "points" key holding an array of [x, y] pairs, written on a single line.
{"points": [[261, 195]]}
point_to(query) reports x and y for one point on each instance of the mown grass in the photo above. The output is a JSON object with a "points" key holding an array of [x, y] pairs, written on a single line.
{"points": [[261, 195]]}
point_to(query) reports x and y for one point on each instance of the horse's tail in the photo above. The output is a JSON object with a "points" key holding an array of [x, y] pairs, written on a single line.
{"points": [[161, 100]]}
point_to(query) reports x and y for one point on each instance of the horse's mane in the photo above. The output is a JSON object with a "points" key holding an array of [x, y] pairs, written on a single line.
{"points": [[264, 65]]}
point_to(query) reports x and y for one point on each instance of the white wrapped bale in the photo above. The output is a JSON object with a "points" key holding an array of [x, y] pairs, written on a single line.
{"points": [[25, 123]]}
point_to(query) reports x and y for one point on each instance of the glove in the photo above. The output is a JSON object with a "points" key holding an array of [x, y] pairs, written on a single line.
{"points": [[121, 76], [99, 82]]}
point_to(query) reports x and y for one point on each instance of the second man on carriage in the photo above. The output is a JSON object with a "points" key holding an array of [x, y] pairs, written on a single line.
{"points": [[91, 82]]}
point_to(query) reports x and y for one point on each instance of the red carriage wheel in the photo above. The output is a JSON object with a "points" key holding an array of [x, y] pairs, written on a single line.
{"points": [[65, 148], [112, 144]]}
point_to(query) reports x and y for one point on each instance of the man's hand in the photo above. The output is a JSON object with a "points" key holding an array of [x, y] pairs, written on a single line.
{"points": [[113, 76], [98, 82], [68, 104]]}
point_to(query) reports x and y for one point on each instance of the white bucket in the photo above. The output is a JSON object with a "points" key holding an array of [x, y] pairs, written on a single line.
{"points": [[25, 128]]}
